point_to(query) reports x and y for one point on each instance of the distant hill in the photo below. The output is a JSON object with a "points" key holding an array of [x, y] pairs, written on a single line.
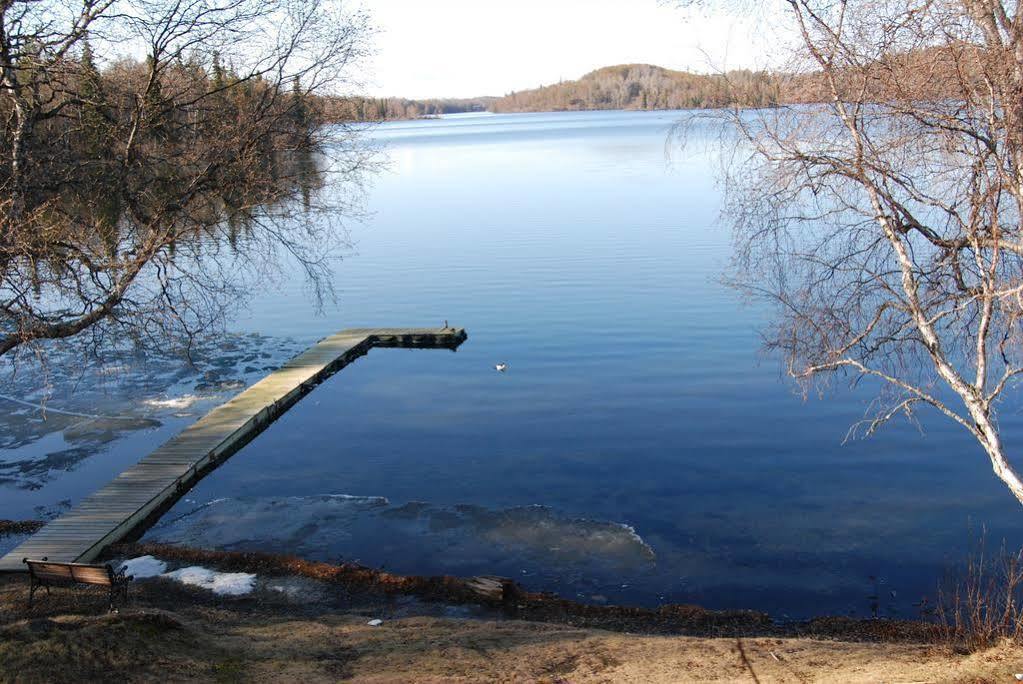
{"points": [[644, 86]]}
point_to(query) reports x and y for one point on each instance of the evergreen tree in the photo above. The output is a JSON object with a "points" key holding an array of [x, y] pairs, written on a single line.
{"points": [[94, 108], [299, 112], [219, 80]]}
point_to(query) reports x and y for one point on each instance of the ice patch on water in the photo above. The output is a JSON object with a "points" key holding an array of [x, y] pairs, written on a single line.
{"points": [[76, 408], [143, 567], [283, 525], [112, 369], [221, 583], [372, 500], [370, 528], [173, 403], [631, 531], [537, 528]]}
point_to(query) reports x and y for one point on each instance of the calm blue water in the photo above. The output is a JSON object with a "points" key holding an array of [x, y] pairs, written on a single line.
{"points": [[638, 449]]}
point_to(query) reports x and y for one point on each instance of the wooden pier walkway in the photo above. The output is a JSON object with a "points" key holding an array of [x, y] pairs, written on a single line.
{"points": [[136, 497]]}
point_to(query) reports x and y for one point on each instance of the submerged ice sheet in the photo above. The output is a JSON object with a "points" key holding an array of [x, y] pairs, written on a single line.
{"points": [[287, 524], [413, 537]]}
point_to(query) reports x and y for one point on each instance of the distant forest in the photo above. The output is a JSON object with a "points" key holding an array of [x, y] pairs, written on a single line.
{"points": [[395, 108], [629, 86]]}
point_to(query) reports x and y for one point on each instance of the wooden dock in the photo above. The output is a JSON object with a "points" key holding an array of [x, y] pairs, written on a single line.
{"points": [[143, 492]]}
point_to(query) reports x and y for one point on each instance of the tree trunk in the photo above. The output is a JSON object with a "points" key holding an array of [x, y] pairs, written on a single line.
{"points": [[20, 137], [999, 463]]}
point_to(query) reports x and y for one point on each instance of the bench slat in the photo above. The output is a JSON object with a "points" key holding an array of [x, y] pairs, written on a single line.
{"points": [[71, 572], [52, 571], [92, 575]]}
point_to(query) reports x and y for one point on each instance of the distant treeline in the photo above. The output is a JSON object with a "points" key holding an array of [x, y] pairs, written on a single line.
{"points": [[395, 108], [629, 86]]}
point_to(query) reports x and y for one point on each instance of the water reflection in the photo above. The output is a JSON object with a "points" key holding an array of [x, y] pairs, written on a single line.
{"points": [[164, 357], [60, 414]]}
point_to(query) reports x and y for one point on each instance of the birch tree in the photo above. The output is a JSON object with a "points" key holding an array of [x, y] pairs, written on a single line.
{"points": [[883, 222]]}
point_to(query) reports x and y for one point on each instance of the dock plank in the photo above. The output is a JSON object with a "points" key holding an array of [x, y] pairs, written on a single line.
{"points": [[133, 498]]}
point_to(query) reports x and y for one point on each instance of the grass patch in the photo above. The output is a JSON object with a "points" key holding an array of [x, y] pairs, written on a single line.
{"points": [[229, 671], [90, 648]]}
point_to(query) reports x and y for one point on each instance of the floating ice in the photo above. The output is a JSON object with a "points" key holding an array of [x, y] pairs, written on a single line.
{"points": [[375, 623], [144, 566], [113, 369], [175, 403], [124, 383], [222, 583], [285, 524]]}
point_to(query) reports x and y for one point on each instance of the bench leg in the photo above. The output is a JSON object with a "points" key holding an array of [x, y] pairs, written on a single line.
{"points": [[35, 586], [118, 591]]}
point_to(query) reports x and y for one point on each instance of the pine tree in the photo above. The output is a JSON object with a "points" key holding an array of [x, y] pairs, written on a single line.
{"points": [[298, 109], [219, 82], [94, 107]]}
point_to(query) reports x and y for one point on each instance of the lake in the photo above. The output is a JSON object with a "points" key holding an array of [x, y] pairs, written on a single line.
{"points": [[639, 448]]}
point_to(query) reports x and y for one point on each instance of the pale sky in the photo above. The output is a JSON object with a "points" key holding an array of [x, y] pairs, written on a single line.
{"points": [[467, 48]]}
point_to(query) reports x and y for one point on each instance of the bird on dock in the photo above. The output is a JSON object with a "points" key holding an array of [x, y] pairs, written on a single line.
{"points": [[501, 367]]}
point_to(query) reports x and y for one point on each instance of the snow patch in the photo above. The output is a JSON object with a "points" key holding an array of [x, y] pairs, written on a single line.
{"points": [[143, 567], [222, 583]]}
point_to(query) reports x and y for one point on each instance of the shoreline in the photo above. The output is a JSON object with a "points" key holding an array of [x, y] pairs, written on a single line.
{"points": [[505, 599], [356, 624]]}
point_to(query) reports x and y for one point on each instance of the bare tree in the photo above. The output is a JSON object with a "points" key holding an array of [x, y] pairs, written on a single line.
{"points": [[884, 220], [137, 202]]}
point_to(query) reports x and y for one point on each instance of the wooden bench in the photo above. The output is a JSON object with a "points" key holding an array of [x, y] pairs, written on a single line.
{"points": [[44, 573]]}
